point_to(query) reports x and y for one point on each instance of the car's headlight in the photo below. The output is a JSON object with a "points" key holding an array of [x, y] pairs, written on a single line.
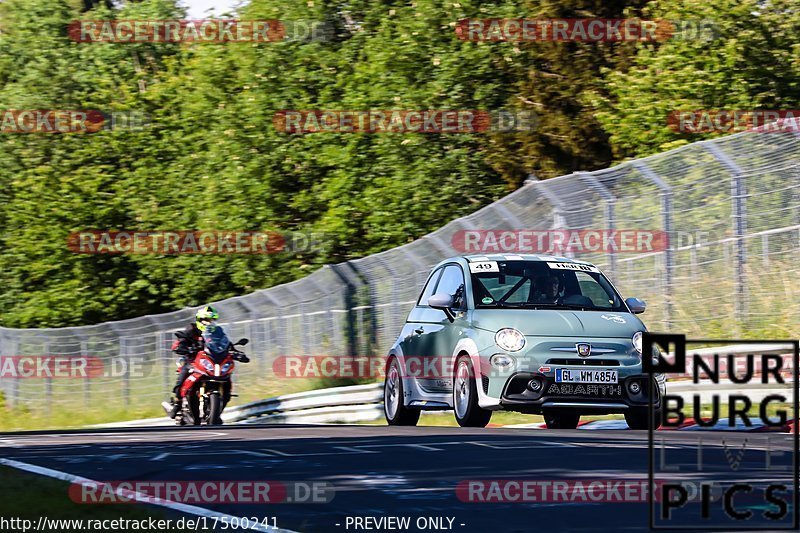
{"points": [[501, 361], [510, 339], [637, 341]]}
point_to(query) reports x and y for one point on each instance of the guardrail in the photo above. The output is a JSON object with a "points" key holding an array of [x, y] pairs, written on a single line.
{"points": [[356, 403], [352, 404], [363, 403]]}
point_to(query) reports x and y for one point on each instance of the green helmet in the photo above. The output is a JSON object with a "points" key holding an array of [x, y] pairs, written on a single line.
{"points": [[206, 317]]}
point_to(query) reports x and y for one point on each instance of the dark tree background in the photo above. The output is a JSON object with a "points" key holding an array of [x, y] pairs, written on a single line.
{"points": [[213, 160]]}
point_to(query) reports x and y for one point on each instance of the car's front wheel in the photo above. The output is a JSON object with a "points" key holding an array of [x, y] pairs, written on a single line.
{"points": [[561, 420], [638, 418], [395, 412], [465, 397]]}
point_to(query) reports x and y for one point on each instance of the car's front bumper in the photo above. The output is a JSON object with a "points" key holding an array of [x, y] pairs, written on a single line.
{"points": [[517, 395]]}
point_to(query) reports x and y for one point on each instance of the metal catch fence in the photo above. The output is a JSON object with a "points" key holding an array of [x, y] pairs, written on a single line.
{"points": [[731, 209]]}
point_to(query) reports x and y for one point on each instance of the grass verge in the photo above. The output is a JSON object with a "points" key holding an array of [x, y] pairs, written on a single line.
{"points": [[29, 496]]}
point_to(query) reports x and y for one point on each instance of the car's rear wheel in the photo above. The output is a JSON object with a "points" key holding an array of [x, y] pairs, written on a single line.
{"points": [[638, 418], [465, 397], [561, 420], [395, 412]]}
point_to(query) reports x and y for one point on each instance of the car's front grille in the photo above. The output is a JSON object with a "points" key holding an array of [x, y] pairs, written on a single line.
{"points": [[588, 361]]}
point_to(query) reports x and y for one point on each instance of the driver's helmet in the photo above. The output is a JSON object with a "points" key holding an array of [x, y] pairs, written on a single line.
{"points": [[205, 317], [216, 342]]}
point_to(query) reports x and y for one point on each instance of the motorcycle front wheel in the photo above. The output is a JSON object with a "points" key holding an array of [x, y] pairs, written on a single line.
{"points": [[214, 409]]}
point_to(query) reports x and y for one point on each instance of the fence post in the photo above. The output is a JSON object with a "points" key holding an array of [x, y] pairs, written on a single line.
{"points": [[739, 216], [279, 306], [610, 203], [14, 396], [349, 303], [333, 324], [48, 385], [669, 253], [392, 312], [126, 376], [559, 221], [369, 308], [6, 383], [165, 358], [87, 380]]}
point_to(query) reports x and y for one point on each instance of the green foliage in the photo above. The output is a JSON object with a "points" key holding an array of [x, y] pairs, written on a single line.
{"points": [[213, 160], [750, 62]]}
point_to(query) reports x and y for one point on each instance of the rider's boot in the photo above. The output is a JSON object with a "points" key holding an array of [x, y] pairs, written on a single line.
{"points": [[172, 407]]}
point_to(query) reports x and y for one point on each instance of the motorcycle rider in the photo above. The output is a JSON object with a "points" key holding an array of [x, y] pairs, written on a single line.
{"points": [[187, 346]]}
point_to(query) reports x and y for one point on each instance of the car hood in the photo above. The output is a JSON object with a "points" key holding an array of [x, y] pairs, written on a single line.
{"points": [[559, 323]]}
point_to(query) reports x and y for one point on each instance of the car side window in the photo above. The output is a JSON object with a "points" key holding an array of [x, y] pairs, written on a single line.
{"points": [[452, 283], [427, 292]]}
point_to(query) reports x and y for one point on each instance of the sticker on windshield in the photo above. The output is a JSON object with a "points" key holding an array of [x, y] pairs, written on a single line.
{"points": [[487, 301], [573, 266], [483, 266]]}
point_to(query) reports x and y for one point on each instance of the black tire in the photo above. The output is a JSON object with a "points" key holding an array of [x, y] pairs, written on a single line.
{"points": [[638, 418], [395, 412], [469, 414], [194, 410], [561, 420], [214, 410]]}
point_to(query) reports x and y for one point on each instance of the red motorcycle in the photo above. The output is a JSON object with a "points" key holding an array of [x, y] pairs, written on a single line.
{"points": [[207, 390]]}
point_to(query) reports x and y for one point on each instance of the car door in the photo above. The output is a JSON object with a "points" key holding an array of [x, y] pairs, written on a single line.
{"points": [[414, 327], [440, 336]]}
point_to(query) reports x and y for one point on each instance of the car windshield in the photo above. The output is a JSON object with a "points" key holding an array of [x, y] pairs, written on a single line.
{"points": [[216, 342], [542, 285]]}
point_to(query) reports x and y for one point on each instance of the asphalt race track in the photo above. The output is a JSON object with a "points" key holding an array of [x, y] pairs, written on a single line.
{"points": [[380, 471]]}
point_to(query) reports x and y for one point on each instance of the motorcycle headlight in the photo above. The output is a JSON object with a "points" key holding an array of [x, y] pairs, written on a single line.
{"points": [[226, 367], [207, 365], [510, 339], [637, 341]]}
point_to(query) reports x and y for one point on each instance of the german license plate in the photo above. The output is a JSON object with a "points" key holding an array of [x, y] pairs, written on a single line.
{"points": [[577, 375]]}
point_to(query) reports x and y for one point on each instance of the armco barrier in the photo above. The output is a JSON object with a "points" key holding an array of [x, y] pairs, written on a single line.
{"points": [[362, 403], [357, 403]]}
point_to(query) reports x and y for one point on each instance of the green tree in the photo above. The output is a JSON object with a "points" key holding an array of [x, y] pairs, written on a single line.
{"points": [[749, 62]]}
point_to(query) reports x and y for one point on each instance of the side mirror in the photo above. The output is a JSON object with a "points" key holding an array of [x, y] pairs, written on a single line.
{"points": [[443, 302], [180, 334], [636, 305], [242, 342]]}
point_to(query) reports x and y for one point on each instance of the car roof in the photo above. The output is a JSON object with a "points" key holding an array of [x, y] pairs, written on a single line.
{"points": [[464, 259]]}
